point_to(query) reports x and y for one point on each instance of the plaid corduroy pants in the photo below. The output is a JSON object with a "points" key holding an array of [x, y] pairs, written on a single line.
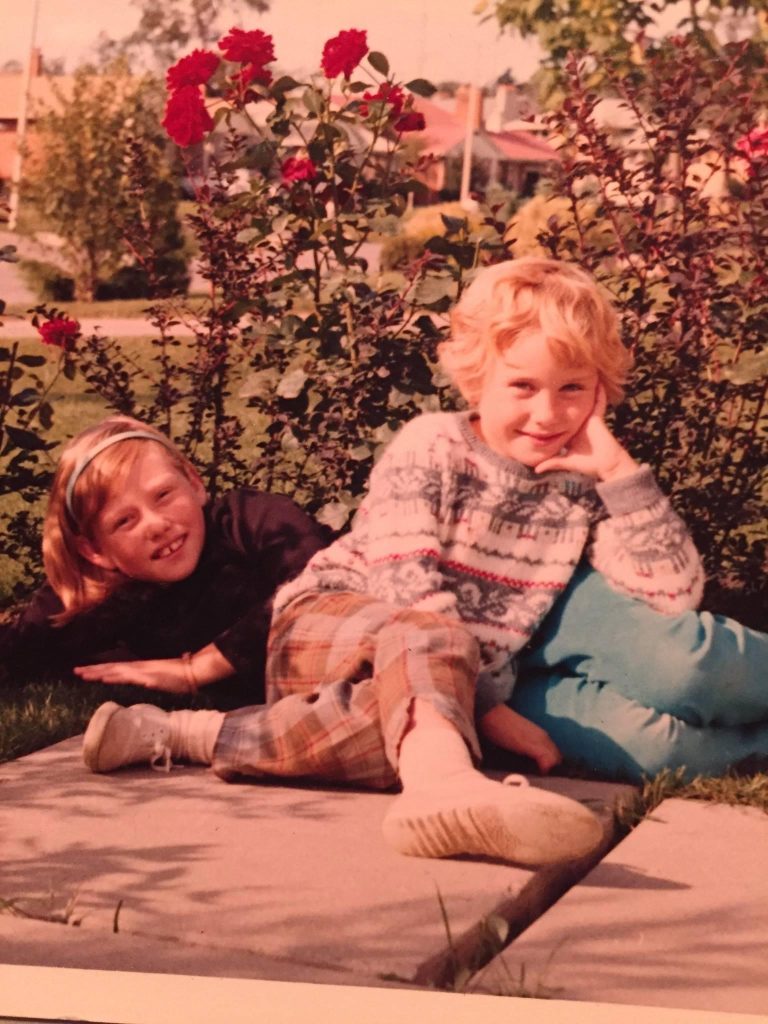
{"points": [[342, 672]]}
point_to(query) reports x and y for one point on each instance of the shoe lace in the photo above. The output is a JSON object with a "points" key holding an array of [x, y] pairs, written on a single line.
{"points": [[160, 759]]}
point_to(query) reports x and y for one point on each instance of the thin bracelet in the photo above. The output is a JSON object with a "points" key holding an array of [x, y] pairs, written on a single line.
{"points": [[189, 672]]}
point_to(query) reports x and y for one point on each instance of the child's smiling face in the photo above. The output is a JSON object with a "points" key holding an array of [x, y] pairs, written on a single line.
{"points": [[153, 529], [532, 403]]}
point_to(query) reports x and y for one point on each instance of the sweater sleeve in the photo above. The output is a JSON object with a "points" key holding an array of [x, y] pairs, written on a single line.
{"points": [[643, 547], [276, 539]]}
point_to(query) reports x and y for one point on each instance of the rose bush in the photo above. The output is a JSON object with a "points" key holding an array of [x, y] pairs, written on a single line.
{"points": [[302, 361], [301, 176]]}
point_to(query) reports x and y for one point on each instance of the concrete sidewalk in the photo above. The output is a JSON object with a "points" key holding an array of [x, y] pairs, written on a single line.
{"points": [[186, 874], [676, 915]]}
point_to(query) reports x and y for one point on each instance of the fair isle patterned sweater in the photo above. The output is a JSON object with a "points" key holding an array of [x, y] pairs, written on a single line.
{"points": [[450, 526]]}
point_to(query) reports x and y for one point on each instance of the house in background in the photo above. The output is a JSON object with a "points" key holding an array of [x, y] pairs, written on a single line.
{"points": [[508, 150], [42, 95]]}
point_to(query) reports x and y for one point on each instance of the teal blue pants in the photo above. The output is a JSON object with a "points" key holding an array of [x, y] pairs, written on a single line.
{"points": [[625, 691]]}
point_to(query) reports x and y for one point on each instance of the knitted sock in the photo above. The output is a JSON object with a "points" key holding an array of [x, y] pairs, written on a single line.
{"points": [[193, 735], [433, 757], [449, 808]]}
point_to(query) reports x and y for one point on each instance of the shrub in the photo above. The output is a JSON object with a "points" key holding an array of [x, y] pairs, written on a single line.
{"points": [[674, 221], [49, 282], [419, 226]]}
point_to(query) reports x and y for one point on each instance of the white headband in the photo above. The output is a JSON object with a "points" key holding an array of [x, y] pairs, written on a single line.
{"points": [[85, 460]]}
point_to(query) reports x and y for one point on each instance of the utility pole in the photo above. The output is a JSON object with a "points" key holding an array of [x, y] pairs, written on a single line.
{"points": [[21, 129], [473, 107]]}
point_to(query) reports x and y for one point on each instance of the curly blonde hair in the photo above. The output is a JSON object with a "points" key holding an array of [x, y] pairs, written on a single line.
{"points": [[534, 294], [78, 582]]}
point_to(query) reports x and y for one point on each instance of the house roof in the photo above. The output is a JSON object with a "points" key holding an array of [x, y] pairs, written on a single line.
{"points": [[444, 136], [42, 93]]}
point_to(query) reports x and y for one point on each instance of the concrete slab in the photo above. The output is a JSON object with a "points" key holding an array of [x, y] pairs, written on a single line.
{"points": [[252, 880], [60, 994], [676, 915]]}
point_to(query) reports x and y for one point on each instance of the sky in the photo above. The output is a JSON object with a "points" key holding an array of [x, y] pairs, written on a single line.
{"points": [[434, 39]]}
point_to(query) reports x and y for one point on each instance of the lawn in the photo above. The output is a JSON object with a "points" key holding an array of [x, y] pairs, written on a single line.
{"points": [[122, 309]]}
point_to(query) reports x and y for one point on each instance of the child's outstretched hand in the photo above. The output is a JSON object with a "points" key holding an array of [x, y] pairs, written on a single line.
{"points": [[173, 675], [169, 674], [594, 450], [511, 731]]}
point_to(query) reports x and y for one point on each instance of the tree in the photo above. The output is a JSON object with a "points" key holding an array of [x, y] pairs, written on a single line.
{"points": [[79, 176], [622, 30], [167, 27]]}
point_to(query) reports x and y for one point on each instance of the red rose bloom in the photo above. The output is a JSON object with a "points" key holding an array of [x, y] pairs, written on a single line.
{"points": [[253, 73], [297, 169], [411, 121], [186, 118], [254, 47], [386, 93], [61, 332], [343, 53], [194, 69]]}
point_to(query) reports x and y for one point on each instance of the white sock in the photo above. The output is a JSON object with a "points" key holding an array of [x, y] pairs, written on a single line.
{"points": [[432, 757], [193, 735]]}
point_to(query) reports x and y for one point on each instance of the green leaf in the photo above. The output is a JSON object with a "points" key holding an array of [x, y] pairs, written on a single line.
{"points": [[433, 290], [453, 225], [261, 155], [360, 452], [421, 87], [25, 397], [284, 85], [219, 115], [313, 101], [292, 384], [25, 439], [260, 384], [751, 367], [334, 514], [378, 62], [31, 360], [45, 415]]}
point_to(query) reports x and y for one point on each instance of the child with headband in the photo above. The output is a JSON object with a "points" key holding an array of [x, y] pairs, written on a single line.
{"points": [[154, 587], [185, 604]]}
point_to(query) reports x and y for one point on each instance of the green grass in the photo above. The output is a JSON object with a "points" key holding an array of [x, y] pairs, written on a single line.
{"points": [[34, 715], [122, 309], [745, 786], [37, 713]]}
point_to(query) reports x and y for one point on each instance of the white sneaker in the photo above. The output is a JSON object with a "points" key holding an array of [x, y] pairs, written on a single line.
{"points": [[118, 736], [513, 822]]}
